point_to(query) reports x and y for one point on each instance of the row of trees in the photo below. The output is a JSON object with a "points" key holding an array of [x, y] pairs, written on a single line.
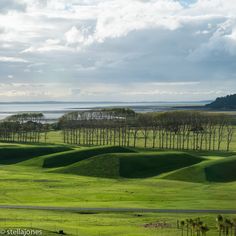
{"points": [[180, 130], [190, 227], [24, 127], [226, 226], [169, 130]]}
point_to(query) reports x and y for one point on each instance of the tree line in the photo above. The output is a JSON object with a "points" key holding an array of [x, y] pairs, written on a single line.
{"points": [[23, 127], [191, 227], [179, 130]]}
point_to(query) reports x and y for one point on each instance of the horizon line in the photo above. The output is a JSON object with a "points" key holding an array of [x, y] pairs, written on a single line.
{"points": [[61, 101]]}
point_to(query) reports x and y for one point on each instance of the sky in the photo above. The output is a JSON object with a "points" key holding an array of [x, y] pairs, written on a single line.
{"points": [[117, 50]]}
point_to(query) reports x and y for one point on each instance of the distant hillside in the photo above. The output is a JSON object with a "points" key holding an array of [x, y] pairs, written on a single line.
{"points": [[227, 102]]}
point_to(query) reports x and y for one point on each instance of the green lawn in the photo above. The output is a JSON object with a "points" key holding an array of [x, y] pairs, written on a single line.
{"points": [[99, 224], [54, 175]]}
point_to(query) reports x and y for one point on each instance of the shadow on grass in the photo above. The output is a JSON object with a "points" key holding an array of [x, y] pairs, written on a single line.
{"points": [[12, 155]]}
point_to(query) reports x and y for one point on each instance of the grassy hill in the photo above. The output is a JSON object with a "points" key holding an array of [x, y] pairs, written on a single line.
{"points": [[227, 102], [63, 176], [15, 154], [131, 165], [121, 162], [111, 177], [223, 170], [66, 158]]}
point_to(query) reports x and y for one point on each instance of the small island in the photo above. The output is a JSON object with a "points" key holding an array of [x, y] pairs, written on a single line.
{"points": [[224, 103]]}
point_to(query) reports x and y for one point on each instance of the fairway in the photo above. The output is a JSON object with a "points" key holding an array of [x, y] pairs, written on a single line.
{"points": [[102, 224], [112, 177]]}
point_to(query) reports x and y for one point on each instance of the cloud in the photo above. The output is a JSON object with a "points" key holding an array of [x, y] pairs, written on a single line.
{"points": [[48, 46], [222, 42], [128, 17], [109, 49], [38, 91], [12, 59], [11, 5], [10, 76], [135, 15], [74, 36], [146, 91]]}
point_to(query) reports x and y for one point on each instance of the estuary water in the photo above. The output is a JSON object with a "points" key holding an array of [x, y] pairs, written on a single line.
{"points": [[54, 110]]}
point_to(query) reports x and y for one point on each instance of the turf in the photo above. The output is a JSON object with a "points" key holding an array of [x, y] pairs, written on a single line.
{"points": [[222, 170], [15, 154], [127, 178], [106, 166], [130, 187], [144, 165], [65, 158], [76, 156], [131, 165], [99, 224]]}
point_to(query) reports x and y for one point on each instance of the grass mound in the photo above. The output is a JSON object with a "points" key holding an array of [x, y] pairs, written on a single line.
{"points": [[142, 165], [131, 165], [106, 166], [223, 170], [68, 158], [193, 173], [12, 155]]}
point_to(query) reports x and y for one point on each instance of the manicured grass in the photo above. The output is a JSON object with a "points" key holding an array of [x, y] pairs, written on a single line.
{"points": [[221, 170], [65, 158], [35, 185], [145, 165], [106, 166], [131, 165], [141, 178], [14, 154], [68, 158], [100, 224]]}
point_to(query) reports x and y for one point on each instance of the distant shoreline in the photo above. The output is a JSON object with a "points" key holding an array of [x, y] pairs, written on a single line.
{"points": [[54, 110], [105, 102], [205, 108], [191, 107]]}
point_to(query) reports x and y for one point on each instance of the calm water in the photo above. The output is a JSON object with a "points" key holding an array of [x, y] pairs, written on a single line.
{"points": [[55, 110]]}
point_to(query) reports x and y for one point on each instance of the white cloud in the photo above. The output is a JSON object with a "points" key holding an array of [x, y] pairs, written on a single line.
{"points": [[39, 91], [103, 42], [12, 59], [118, 18], [10, 76], [81, 36], [184, 83], [223, 40], [146, 91], [48, 46]]}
